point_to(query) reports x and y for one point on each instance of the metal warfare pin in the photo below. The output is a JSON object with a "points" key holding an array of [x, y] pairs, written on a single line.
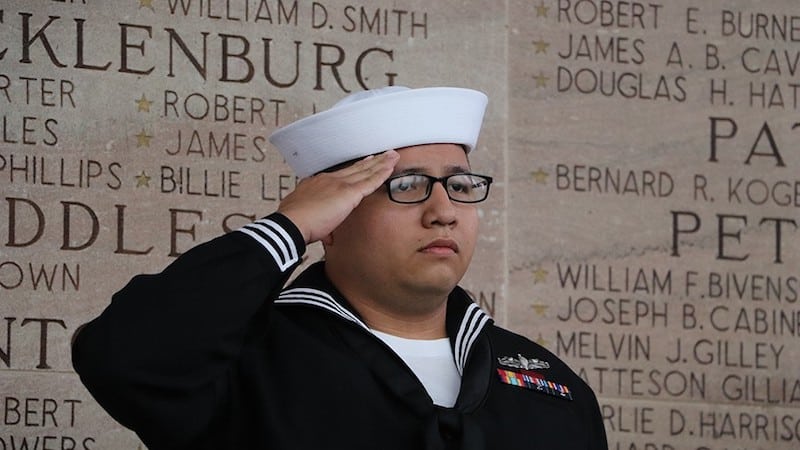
{"points": [[521, 362]]}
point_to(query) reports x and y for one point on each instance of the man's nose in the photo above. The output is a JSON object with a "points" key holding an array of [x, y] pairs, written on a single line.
{"points": [[439, 209]]}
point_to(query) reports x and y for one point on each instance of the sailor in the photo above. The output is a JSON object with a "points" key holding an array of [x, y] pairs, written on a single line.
{"points": [[376, 346]]}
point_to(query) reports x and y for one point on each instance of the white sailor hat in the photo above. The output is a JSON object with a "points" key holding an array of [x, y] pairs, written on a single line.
{"points": [[373, 121]]}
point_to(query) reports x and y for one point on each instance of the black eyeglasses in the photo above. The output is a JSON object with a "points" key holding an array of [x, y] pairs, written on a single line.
{"points": [[417, 187]]}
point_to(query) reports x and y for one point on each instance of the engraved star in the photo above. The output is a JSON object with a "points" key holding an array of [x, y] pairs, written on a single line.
{"points": [[540, 308], [541, 341], [142, 180], [541, 80], [146, 4], [143, 139], [540, 176], [541, 46], [541, 10], [539, 275], [143, 104]]}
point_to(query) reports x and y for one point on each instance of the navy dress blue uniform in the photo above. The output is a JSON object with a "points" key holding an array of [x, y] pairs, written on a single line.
{"points": [[214, 353]]}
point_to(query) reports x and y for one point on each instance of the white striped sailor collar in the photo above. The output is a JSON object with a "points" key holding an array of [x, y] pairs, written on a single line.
{"points": [[464, 323]]}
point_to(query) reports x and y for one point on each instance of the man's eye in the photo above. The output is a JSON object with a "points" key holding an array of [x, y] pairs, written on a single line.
{"points": [[405, 184], [460, 186]]}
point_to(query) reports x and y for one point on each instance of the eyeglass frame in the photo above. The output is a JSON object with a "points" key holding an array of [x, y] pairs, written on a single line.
{"points": [[433, 180]]}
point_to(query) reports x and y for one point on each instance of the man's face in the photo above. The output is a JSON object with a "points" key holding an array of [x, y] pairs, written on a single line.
{"points": [[407, 250]]}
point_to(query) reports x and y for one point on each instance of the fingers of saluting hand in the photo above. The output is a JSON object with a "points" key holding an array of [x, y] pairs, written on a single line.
{"points": [[321, 202], [348, 186], [368, 174]]}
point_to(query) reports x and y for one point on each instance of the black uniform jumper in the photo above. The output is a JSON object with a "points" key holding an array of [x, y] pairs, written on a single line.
{"points": [[212, 354]]}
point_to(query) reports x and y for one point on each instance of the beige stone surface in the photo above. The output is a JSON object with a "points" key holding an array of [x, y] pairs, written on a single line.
{"points": [[652, 209], [642, 224]]}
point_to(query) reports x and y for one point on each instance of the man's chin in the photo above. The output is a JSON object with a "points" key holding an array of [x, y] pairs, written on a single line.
{"points": [[438, 280]]}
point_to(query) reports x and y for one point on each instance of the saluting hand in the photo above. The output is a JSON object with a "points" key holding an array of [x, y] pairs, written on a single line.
{"points": [[321, 202]]}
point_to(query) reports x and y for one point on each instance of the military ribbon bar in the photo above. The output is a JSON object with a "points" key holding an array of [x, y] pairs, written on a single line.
{"points": [[534, 383]]}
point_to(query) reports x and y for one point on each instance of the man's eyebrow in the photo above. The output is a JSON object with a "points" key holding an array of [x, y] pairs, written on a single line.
{"points": [[449, 170]]}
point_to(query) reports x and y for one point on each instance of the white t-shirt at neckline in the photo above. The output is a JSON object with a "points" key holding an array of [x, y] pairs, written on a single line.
{"points": [[432, 362]]}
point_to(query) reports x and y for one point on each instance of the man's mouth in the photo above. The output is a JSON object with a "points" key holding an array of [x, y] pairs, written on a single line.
{"points": [[441, 246]]}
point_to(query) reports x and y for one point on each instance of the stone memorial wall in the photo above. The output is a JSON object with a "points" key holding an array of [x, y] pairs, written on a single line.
{"points": [[652, 212], [642, 226]]}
